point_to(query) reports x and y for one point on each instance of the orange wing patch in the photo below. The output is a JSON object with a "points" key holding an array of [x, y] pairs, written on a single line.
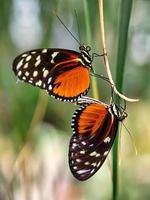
{"points": [[91, 119], [72, 83]]}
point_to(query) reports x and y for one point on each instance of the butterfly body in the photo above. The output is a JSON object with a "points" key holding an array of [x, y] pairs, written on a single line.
{"points": [[94, 126], [63, 73]]}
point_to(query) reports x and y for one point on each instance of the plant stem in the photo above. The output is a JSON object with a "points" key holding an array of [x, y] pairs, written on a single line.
{"points": [[106, 61], [124, 23], [125, 13]]}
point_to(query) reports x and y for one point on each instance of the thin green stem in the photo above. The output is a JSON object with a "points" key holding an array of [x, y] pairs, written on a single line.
{"points": [[89, 40], [125, 13]]}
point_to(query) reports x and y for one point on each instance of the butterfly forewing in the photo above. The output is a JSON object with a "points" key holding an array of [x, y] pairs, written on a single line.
{"points": [[60, 72], [94, 130]]}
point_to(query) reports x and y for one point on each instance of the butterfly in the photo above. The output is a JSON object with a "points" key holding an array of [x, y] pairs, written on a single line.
{"points": [[94, 127], [63, 73]]}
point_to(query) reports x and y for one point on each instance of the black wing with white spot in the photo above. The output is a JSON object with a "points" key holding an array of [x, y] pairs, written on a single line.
{"points": [[38, 67], [94, 131], [61, 72]]}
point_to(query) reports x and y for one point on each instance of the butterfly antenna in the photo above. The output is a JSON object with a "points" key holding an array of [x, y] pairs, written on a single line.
{"points": [[67, 28], [76, 16], [133, 142]]}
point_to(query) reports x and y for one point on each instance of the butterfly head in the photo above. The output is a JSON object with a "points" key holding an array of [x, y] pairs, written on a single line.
{"points": [[118, 111], [83, 47], [85, 55]]}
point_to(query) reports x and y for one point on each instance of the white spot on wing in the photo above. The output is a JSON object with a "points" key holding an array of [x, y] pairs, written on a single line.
{"points": [[44, 50], [33, 52], [19, 64], [74, 145], [105, 153], [44, 85], [82, 152], [93, 153], [24, 55], [98, 155], [107, 140], [24, 78], [49, 80], [94, 164], [37, 63], [38, 57], [87, 163], [50, 87], [84, 143], [35, 73], [26, 65], [26, 73], [28, 58], [45, 73], [78, 160], [92, 171], [19, 73], [75, 167], [53, 56], [39, 83], [82, 171], [98, 164]]}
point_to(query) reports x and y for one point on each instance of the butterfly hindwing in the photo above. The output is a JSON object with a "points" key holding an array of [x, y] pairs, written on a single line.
{"points": [[70, 84], [94, 131], [58, 71]]}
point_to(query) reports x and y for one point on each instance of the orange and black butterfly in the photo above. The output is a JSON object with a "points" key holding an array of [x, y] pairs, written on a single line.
{"points": [[63, 73], [94, 126]]}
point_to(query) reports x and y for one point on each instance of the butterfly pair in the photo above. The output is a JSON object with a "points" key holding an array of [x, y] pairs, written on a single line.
{"points": [[65, 75]]}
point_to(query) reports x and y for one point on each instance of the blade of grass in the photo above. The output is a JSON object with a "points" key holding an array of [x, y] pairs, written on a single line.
{"points": [[89, 40], [125, 12]]}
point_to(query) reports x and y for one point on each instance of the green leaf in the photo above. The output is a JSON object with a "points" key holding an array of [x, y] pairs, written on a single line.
{"points": [[125, 13]]}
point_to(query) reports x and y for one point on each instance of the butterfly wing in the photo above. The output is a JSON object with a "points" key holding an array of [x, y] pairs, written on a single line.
{"points": [[60, 72], [94, 131]]}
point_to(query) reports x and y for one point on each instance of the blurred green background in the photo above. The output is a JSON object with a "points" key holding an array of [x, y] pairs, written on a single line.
{"points": [[35, 129]]}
